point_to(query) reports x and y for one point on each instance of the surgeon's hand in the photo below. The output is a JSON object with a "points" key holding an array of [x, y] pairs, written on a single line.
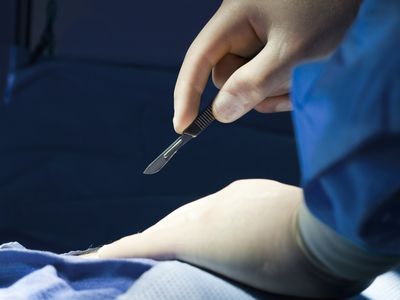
{"points": [[251, 46], [245, 231]]}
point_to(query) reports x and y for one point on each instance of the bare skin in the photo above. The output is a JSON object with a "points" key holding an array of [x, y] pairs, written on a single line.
{"points": [[250, 48]]}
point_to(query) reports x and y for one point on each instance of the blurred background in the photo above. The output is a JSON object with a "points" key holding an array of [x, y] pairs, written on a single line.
{"points": [[86, 103]]}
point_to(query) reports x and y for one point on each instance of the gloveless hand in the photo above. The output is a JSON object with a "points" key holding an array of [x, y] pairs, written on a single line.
{"points": [[250, 46]]}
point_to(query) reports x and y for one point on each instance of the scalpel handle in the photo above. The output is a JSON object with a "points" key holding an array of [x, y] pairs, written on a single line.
{"points": [[200, 123]]}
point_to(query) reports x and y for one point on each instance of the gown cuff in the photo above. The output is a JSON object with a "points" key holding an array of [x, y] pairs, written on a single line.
{"points": [[335, 255]]}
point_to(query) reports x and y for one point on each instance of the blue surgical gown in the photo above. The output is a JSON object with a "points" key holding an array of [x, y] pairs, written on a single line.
{"points": [[347, 120]]}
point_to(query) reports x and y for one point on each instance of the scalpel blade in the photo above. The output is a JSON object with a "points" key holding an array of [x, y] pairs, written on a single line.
{"points": [[159, 163], [194, 129]]}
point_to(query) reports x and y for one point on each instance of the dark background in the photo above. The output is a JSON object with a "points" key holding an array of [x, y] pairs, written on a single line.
{"points": [[78, 127]]}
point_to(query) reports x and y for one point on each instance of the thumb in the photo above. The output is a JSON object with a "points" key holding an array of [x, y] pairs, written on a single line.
{"points": [[266, 75]]}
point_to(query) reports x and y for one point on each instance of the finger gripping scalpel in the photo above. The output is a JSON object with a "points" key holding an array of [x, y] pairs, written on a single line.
{"points": [[192, 131]]}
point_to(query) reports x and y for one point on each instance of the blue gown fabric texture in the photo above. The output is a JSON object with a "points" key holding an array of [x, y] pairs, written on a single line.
{"points": [[40, 275], [347, 119], [27, 274]]}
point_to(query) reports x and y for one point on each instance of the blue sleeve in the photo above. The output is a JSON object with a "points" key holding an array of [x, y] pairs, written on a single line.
{"points": [[347, 119]]}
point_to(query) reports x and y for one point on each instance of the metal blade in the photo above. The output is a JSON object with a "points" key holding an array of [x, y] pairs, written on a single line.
{"points": [[159, 163], [198, 125]]}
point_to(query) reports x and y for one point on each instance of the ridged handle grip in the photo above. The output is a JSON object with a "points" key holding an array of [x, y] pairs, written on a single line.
{"points": [[200, 123]]}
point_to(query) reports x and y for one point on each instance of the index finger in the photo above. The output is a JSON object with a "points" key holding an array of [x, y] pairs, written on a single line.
{"points": [[204, 53]]}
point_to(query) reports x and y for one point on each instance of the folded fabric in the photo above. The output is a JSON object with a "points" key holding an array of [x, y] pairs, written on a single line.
{"points": [[179, 281], [174, 280], [37, 275]]}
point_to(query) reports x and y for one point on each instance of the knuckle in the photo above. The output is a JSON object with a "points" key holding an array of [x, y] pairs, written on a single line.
{"points": [[247, 87]]}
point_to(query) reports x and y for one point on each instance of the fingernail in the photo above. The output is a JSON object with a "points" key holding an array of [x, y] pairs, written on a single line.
{"points": [[176, 125], [283, 106], [227, 108]]}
